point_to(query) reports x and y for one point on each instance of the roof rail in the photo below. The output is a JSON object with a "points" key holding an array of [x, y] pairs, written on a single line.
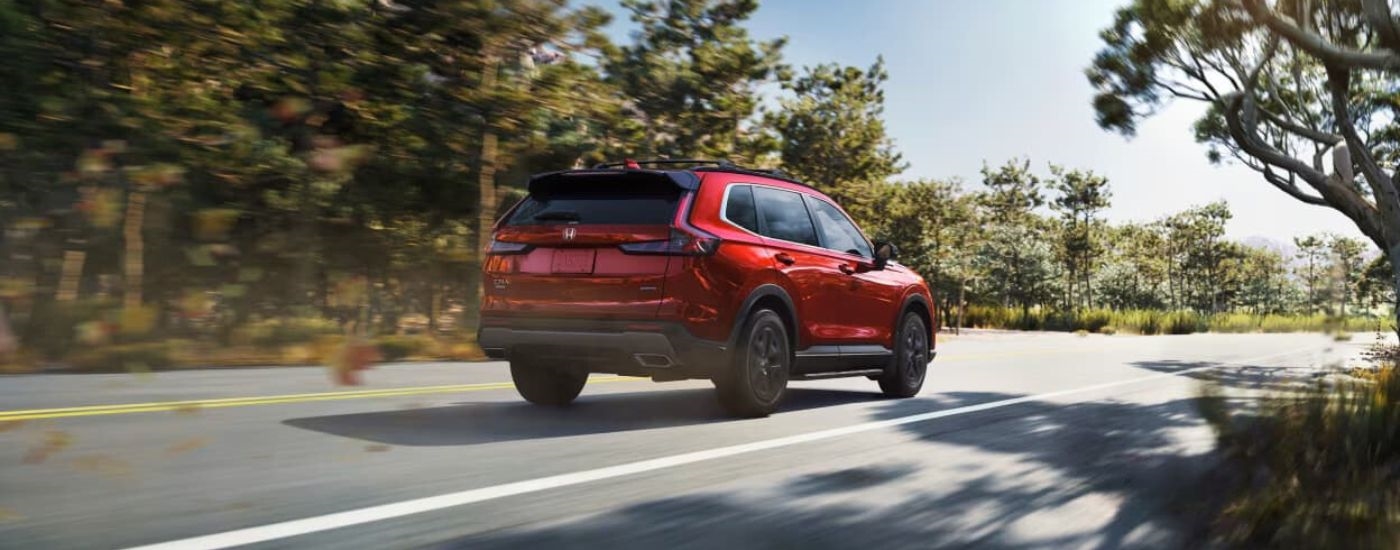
{"points": [[765, 172], [720, 163]]}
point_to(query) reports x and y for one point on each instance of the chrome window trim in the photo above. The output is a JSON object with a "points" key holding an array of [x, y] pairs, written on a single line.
{"points": [[724, 215]]}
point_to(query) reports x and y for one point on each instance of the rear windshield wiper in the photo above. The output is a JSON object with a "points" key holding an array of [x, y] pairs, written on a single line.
{"points": [[557, 215]]}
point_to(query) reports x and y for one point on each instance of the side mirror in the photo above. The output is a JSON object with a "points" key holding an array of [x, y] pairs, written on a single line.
{"points": [[884, 252]]}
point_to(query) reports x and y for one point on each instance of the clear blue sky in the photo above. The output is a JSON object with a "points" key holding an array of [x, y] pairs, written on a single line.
{"points": [[994, 79]]}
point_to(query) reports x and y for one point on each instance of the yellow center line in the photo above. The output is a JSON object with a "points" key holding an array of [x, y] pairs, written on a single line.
{"points": [[196, 404]]}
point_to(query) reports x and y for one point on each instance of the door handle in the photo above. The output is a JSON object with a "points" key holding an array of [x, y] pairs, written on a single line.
{"points": [[784, 258], [847, 269]]}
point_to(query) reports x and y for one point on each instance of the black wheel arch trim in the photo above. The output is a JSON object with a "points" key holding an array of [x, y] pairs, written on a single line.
{"points": [[932, 314], [758, 293]]}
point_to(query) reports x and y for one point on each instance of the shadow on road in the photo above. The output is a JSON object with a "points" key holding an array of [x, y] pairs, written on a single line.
{"points": [[1087, 475], [1243, 377], [491, 422]]}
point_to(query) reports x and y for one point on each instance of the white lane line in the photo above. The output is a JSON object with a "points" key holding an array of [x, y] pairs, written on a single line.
{"points": [[275, 531]]}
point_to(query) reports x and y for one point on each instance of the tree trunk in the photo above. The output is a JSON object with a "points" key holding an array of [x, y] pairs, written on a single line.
{"points": [[962, 304], [1394, 256], [70, 275], [486, 169], [133, 262]]}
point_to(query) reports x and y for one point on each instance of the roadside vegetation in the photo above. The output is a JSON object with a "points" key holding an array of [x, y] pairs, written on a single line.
{"points": [[1150, 322], [1315, 467]]}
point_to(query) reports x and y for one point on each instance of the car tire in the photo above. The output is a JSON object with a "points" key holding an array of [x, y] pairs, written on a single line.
{"points": [[546, 385], [757, 377], [905, 375]]}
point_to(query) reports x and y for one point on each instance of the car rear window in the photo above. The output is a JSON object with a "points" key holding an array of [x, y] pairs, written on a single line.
{"points": [[623, 205]]}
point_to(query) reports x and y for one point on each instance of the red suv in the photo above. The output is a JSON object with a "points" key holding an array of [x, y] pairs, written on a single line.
{"points": [[743, 277]]}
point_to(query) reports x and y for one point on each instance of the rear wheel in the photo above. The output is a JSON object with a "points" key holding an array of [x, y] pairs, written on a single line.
{"points": [[905, 377], [543, 384], [757, 377]]}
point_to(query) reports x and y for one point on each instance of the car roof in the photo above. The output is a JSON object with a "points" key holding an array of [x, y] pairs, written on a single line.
{"points": [[686, 178]]}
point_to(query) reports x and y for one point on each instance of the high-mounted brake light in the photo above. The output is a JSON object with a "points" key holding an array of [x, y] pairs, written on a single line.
{"points": [[504, 248], [691, 242]]}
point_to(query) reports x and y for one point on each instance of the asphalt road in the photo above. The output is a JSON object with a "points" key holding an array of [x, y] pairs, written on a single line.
{"points": [[1047, 440]]}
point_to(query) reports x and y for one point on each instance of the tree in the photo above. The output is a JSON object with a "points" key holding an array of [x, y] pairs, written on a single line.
{"points": [[1013, 254], [1347, 255], [937, 228], [1136, 267], [1285, 82], [833, 134], [1312, 251], [1082, 195], [692, 79], [1194, 250]]}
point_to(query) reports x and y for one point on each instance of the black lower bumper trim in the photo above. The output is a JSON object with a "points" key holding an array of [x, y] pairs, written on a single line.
{"points": [[606, 346]]}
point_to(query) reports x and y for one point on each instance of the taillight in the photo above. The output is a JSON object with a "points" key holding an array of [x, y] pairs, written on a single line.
{"points": [[504, 248], [692, 242]]}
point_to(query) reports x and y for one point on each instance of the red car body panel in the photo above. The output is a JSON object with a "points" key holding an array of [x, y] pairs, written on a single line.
{"points": [[838, 298]]}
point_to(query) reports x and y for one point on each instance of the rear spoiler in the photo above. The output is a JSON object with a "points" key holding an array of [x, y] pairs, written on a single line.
{"points": [[683, 179]]}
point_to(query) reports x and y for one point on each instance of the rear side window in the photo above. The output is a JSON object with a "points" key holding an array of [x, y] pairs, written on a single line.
{"points": [[638, 205], [739, 208], [785, 216]]}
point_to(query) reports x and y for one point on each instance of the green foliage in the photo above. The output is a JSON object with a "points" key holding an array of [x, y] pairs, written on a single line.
{"points": [[281, 331], [833, 133], [1150, 322], [692, 79], [1082, 195]]}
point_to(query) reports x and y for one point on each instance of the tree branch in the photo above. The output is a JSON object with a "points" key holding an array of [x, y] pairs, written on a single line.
{"points": [[1240, 120], [1292, 188], [1319, 46], [1382, 186], [1309, 133], [1379, 16]]}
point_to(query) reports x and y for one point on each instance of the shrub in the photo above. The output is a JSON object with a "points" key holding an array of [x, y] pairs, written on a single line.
{"points": [[123, 357], [1318, 467], [395, 347], [1159, 322], [1108, 330], [273, 333]]}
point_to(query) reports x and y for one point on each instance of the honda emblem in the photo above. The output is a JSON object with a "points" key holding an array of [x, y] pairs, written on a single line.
{"points": [[569, 233]]}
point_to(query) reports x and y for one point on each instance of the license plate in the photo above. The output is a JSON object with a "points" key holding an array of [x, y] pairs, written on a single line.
{"points": [[573, 261]]}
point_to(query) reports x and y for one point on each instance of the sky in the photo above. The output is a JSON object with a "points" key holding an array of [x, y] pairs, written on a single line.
{"points": [[988, 80]]}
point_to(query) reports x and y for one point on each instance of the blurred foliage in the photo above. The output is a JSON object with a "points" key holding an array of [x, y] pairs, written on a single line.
{"points": [[265, 173], [395, 347], [1318, 466], [1153, 321]]}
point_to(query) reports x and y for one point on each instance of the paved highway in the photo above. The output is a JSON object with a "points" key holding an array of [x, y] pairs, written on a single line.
{"points": [[1047, 440]]}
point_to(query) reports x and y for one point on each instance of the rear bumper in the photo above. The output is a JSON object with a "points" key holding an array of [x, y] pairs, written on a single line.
{"points": [[639, 348]]}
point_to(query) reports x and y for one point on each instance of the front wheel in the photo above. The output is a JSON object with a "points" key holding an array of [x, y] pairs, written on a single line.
{"points": [[905, 377], [543, 384], [757, 377]]}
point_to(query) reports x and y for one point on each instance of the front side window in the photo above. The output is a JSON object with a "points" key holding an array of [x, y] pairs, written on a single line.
{"points": [[837, 231], [784, 215]]}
